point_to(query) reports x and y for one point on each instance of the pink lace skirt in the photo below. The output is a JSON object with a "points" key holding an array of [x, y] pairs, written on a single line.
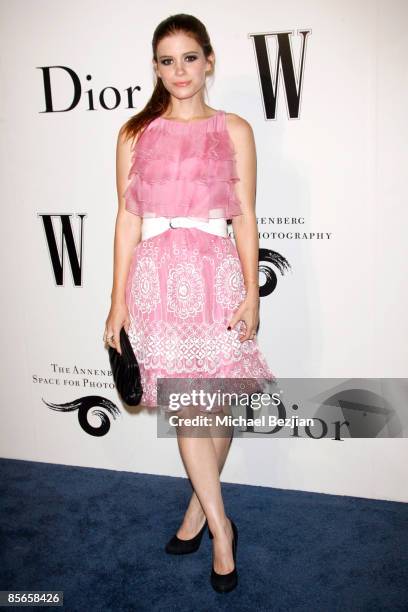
{"points": [[183, 287]]}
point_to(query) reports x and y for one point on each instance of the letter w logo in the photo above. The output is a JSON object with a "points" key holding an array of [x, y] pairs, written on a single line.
{"points": [[66, 243], [283, 63]]}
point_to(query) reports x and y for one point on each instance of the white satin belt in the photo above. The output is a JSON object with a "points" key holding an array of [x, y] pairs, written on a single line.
{"points": [[151, 226]]}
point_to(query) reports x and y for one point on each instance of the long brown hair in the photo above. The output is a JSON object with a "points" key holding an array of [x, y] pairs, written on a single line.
{"points": [[160, 98]]}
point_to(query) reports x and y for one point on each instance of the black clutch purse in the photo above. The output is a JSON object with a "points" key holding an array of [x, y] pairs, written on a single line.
{"points": [[125, 371]]}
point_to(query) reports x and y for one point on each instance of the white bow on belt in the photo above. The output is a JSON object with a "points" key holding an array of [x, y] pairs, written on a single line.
{"points": [[151, 226]]}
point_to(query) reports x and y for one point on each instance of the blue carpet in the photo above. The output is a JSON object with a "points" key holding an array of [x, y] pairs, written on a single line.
{"points": [[98, 535]]}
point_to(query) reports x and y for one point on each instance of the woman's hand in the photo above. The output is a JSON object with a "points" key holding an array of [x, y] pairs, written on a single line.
{"points": [[248, 311], [118, 317]]}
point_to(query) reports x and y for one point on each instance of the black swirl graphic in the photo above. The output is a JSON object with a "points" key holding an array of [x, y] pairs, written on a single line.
{"points": [[88, 404], [280, 262]]}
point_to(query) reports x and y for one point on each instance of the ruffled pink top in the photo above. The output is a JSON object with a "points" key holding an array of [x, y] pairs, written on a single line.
{"points": [[184, 169]]}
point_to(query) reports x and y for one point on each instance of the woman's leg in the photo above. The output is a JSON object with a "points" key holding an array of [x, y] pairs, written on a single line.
{"points": [[201, 461], [194, 517]]}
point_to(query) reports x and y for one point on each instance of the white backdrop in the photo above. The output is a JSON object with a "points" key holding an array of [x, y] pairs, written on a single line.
{"points": [[340, 311]]}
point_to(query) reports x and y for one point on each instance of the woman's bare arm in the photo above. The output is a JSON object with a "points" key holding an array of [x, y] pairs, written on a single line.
{"points": [[127, 236], [128, 225], [245, 226]]}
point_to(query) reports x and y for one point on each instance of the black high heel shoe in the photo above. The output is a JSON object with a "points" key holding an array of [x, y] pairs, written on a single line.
{"points": [[223, 583], [175, 546]]}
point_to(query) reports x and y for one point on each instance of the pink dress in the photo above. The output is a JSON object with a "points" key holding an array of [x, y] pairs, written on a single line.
{"points": [[184, 284]]}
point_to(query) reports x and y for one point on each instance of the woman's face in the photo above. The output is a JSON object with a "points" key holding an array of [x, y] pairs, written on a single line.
{"points": [[181, 65]]}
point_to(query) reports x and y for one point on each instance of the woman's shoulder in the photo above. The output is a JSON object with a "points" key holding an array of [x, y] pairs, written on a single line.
{"points": [[125, 139], [238, 127]]}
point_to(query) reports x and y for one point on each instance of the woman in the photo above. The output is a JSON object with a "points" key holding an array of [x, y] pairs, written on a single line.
{"points": [[186, 295]]}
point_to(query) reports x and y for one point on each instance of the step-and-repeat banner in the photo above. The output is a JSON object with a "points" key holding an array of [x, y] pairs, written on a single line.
{"points": [[324, 88]]}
